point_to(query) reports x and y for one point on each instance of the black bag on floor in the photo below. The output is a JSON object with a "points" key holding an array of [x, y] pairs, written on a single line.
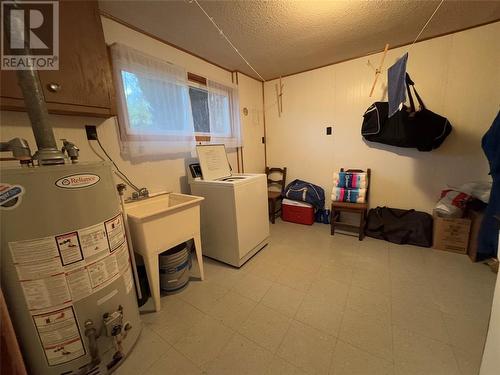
{"points": [[400, 226], [422, 129]]}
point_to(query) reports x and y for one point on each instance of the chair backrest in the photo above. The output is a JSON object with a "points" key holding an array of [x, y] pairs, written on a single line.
{"points": [[272, 182], [368, 175]]}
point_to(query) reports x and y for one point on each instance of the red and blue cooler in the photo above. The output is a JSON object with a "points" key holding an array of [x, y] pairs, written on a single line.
{"points": [[297, 212]]}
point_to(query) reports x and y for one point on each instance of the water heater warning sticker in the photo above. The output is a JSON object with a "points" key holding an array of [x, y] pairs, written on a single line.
{"points": [[47, 292], [79, 283], [36, 250], [71, 266], [94, 241], [115, 232], [122, 257], [69, 247], [59, 336], [103, 271], [128, 280]]}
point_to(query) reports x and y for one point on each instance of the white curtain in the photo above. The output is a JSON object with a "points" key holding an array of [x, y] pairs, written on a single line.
{"points": [[154, 107], [224, 110]]}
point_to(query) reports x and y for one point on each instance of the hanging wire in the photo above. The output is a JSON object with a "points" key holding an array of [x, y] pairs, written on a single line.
{"points": [[120, 174], [225, 37], [221, 32], [429, 20]]}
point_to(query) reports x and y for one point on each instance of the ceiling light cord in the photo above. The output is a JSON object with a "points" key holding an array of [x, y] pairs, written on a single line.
{"points": [[428, 21], [227, 39]]}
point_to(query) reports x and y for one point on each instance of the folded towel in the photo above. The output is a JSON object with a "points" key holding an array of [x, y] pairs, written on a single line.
{"points": [[350, 180], [396, 84], [348, 195]]}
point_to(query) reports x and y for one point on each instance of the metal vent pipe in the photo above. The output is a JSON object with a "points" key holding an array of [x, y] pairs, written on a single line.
{"points": [[47, 153], [29, 82]]}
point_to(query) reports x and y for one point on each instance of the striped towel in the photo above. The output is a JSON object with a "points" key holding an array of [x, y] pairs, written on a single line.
{"points": [[348, 195], [350, 180]]}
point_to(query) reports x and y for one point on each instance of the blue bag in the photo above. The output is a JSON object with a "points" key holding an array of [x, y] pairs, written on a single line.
{"points": [[303, 191], [322, 215]]}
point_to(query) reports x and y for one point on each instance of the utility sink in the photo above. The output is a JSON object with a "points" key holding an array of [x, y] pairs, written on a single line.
{"points": [[160, 223], [162, 205]]}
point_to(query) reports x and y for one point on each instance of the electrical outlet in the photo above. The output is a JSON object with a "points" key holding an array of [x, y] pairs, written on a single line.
{"points": [[91, 132], [328, 130]]}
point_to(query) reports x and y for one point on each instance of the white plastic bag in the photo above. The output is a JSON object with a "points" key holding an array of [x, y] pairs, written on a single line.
{"points": [[454, 199], [478, 189], [452, 203]]}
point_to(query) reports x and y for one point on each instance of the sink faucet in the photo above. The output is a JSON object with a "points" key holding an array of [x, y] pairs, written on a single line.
{"points": [[141, 194], [71, 149]]}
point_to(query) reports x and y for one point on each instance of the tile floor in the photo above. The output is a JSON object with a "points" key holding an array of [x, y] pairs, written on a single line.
{"points": [[310, 303]]}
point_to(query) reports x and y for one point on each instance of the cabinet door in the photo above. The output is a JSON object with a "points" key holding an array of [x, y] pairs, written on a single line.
{"points": [[8, 85], [84, 74]]}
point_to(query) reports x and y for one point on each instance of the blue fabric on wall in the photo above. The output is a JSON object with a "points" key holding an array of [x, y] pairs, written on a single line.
{"points": [[488, 233], [396, 80]]}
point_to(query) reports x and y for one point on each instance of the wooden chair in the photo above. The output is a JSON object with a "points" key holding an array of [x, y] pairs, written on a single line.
{"points": [[358, 208], [273, 196]]}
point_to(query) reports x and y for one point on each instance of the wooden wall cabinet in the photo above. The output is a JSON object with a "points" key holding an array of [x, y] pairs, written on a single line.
{"points": [[83, 84]]}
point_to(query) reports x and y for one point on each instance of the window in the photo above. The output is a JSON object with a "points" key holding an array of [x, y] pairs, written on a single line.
{"points": [[211, 111], [153, 106], [161, 111], [199, 108]]}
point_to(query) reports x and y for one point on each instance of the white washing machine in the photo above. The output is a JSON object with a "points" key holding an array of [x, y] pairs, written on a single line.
{"points": [[234, 214]]}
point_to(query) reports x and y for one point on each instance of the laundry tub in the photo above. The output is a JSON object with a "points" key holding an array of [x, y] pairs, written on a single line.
{"points": [[159, 223], [175, 265]]}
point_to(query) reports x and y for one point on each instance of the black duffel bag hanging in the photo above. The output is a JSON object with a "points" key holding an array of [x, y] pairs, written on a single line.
{"points": [[400, 226], [422, 129]]}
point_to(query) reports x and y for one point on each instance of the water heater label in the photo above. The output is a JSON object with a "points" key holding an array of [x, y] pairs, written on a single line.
{"points": [[68, 267], [69, 248], [128, 279], [59, 334], [115, 232], [77, 181], [56, 271], [10, 196]]}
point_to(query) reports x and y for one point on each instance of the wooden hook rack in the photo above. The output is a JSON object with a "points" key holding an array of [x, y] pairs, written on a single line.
{"points": [[279, 97], [379, 69]]}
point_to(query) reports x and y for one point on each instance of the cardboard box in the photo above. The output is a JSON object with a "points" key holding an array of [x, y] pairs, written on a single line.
{"points": [[451, 234], [476, 218]]}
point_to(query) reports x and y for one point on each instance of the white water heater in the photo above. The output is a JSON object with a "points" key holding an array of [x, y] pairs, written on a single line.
{"points": [[65, 268]]}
